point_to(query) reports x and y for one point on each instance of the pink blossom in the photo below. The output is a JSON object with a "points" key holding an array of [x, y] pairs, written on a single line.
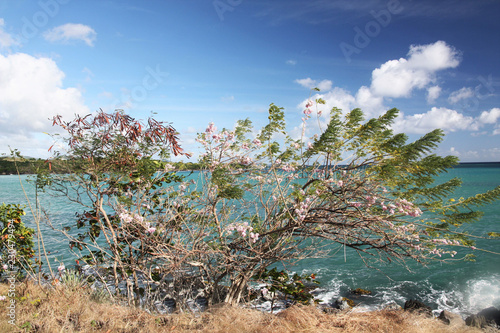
{"points": [[211, 128], [5, 267], [257, 142], [254, 237], [151, 230], [61, 268], [246, 160]]}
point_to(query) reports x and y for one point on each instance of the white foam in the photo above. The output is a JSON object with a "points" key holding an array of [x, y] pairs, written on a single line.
{"points": [[483, 293]]}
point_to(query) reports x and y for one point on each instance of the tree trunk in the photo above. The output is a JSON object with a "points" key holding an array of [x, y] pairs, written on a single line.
{"points": [[236, 289]]}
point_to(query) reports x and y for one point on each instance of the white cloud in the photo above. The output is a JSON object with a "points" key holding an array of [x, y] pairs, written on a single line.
{"points": [[460, 94], [71, 31], [32, 92], [433, 94], [448, 120], [291, 62], [469, 155], [443, 118], [6, 40], [490, 117], [306, 83], [309, 83], [338, 97], [370, 104], [398, 78]]}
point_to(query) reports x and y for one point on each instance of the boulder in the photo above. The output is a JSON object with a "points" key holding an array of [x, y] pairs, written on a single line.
{"points": [[450, 318], [485, 317], [343, 303], [417, 307], [491, 314], [392, 306], [359, 291], [475, 321]]}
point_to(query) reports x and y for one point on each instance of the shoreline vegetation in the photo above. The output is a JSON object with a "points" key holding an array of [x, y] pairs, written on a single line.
{"points": [[29, 165], [161, 237], [73, 307]]}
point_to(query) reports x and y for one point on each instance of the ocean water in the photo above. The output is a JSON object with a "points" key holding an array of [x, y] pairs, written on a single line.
{"points": [[458, 286]]}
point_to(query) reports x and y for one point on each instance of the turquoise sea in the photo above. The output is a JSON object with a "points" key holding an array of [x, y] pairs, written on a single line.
{"points": [[462, 287]]}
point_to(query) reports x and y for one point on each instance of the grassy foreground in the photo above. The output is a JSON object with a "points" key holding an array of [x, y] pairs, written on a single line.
{"points": [[74, 309]]}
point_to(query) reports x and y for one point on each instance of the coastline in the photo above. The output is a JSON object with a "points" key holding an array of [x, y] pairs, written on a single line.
{"points": [[73, 308]]}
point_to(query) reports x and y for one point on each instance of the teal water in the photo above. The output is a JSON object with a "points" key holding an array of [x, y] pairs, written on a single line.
{"points": [[463, 287]]}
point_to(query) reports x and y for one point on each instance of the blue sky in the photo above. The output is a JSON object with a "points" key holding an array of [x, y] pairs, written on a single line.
{"points": [[194, 62]]}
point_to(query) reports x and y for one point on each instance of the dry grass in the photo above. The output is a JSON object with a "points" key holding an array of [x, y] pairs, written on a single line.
{"points": [[63, 309]]}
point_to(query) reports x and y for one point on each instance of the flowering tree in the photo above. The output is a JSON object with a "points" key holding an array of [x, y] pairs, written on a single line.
{"points": [[259, 199], [115, 166], [278, 199]]}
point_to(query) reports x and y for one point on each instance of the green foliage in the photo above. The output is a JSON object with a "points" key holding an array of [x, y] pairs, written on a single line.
{"points": [[357, 184], [16, 240], [224, 181], [296, 288]]}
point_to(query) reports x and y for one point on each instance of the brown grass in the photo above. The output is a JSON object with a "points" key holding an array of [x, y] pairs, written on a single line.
{"points": [[63, 309]]}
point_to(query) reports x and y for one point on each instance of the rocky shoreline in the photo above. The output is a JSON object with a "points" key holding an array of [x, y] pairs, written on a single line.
{"points": [[196, 301]]}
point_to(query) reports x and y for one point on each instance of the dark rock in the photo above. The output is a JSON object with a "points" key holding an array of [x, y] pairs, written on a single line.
{"points": [[489, 316], [343, 303], [418, 307], [450, 318], [359, 291], [475, 321]]}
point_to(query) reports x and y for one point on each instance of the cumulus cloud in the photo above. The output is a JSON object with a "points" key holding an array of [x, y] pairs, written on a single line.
{"points": [[71, 31], [309, 83], [490, 117], [460, 94], [370, 104], [443, 118], [398, 78], [433, 94], [338, 97], [449, 120], [32, 92]]}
